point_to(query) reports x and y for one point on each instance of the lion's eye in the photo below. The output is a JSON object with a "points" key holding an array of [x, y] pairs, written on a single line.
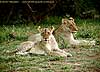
{"points": [[70, 19], [48, 32]]}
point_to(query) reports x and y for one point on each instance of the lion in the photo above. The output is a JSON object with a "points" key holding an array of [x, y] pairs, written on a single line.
{"points": [[51, 46], [45, 46], [66, 29]]}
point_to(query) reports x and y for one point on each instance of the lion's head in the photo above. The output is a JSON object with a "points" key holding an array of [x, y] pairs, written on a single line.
{"points": [[46, 33], [69, 23]]}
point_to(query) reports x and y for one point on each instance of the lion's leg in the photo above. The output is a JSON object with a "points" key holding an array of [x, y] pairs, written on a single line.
{"points": [[22, 53], [58, 54], [24, 48], [62, 51], [51, 52]]}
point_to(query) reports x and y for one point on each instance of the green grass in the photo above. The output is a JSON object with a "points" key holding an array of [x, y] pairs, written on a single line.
{"points": [[84, 59]]}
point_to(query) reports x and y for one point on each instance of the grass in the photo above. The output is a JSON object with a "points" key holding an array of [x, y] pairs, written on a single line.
{"points": [[84, 59]]}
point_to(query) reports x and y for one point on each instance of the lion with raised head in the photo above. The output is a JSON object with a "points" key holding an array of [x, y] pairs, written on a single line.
{"points": [[50, 45], [66, 30], [45, 46]]}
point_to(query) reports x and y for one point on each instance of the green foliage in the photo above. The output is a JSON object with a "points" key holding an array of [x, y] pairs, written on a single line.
{"points": [[51, 21], [20, 32], [88, 28]]}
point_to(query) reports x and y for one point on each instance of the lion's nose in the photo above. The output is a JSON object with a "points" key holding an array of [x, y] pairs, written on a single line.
{"points": [[46, 39]]}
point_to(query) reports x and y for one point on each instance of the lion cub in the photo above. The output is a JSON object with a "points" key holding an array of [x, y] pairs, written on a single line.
{"points": [[66, 30], [46, 46]]}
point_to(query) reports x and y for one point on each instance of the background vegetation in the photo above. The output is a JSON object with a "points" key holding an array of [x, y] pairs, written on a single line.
{"points": [[13, 13]]}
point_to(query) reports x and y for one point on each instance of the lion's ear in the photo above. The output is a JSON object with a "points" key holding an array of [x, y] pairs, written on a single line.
{"points": [[71, 18], [64, 21], [52, 29], [39, 28]]}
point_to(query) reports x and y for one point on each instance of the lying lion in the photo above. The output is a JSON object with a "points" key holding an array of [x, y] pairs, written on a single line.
{"points": [[45, 46], [65, 30]]}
